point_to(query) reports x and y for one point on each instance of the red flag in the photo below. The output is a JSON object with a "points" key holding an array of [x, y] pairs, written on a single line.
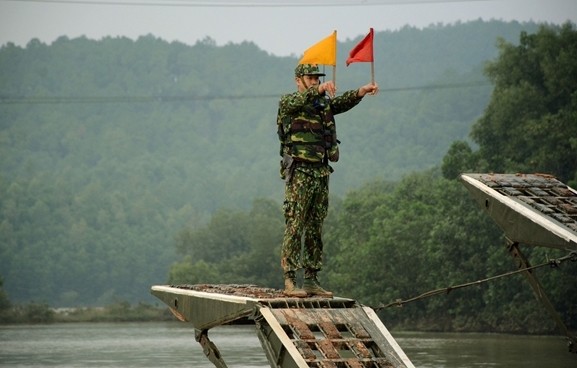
{"points": [[363, 51]]}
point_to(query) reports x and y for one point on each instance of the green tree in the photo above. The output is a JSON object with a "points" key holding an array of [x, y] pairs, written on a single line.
{"points": [[261, 263], [233, 247], [459, 159], [189, 272], [108, 148], [529, 124]]}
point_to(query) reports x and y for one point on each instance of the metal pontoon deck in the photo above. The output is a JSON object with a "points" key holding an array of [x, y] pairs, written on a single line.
{"points": [[294, 332]]}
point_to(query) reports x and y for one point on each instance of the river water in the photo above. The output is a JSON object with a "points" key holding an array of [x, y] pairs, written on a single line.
{"points": [[172, 344]]}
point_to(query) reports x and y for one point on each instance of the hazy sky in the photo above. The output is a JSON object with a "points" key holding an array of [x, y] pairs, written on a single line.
{"points": [[279, 27]]}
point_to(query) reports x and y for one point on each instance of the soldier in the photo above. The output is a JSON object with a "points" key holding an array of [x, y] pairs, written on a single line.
{"points": [[307, 132]]}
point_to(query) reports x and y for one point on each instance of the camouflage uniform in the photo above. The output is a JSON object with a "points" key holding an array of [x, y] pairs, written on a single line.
{"points": [[308, 142]]}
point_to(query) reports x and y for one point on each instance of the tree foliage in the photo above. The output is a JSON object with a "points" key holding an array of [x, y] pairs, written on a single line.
{"points": [[529, 123], [241, 247], [113, 150]]}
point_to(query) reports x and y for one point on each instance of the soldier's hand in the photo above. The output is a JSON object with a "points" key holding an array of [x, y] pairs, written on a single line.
{"points": [[371, 89], [328, 88]]}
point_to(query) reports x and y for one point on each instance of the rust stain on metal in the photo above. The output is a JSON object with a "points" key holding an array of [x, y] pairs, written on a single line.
{"points": [[330, 330], [360, 349], [301, 328], [354, 363], [328, 364], [328, 349], [358, 330], [247, 291], [305, 350]]}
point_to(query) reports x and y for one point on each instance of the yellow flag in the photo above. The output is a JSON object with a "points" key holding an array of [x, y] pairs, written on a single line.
{"points": [[323, 52]]}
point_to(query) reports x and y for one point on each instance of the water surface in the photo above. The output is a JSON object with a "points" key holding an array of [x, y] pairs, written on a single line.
{"points": [[172, 344]]}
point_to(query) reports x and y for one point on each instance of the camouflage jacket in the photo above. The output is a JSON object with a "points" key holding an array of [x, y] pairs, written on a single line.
{"points": [[307, 130]]}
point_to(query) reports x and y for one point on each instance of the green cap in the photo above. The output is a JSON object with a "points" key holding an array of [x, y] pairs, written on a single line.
{"points": [[307, 69]]}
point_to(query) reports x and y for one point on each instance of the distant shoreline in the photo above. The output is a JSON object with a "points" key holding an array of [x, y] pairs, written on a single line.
{"points": [[36, 313]]}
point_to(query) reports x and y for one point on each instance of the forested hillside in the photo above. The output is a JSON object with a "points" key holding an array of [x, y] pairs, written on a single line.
{"points": [[412, 242], [109, 148]]}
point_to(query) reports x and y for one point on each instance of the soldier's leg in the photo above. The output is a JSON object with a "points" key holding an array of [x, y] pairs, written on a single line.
{"points": [[297, 199], [313, 250]]}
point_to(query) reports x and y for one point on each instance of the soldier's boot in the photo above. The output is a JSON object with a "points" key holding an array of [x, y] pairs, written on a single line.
{"points": [[312, 287], [290, 286]]}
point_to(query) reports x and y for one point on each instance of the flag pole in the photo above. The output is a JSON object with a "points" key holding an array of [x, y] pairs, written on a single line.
{"points": [[335, 75], [363, 52], [335, 59]]}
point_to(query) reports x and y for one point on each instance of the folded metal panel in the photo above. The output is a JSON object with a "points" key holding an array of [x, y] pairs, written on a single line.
{"points": [[204, 310], [347, 337], [531, 209]]}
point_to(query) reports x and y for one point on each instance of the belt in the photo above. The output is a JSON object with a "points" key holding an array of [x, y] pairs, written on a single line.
{"points": [[309, 164]]}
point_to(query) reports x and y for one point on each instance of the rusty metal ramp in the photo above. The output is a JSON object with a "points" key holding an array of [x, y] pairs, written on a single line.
{"points": [[294, 332], [532, 209], [328, 334]]}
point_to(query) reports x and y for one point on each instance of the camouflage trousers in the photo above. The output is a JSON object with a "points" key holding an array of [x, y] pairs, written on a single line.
{"points": [[305, 209]]}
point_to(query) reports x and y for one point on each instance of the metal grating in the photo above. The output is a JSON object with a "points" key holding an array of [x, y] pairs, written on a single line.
{"points": [[332, 338], [532, 209], [543, 193]]}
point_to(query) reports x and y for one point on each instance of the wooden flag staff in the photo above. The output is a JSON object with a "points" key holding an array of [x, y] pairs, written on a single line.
{"points": [[335, 75], [363, 52]]}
